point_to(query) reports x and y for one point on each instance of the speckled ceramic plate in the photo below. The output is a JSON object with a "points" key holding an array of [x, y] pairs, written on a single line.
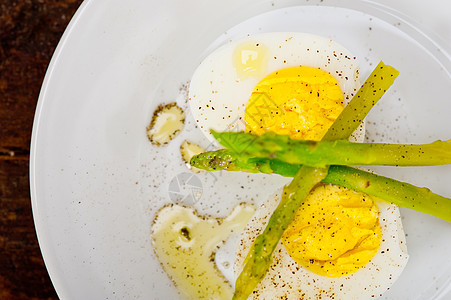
{"points": [[96, 181]]}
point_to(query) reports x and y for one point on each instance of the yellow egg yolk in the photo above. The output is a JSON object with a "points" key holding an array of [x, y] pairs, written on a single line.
{"points": [[301, 102], [336, 231]]}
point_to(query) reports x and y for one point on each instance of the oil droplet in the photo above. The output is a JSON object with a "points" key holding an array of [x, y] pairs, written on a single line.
{"points": [[167, 122], [186, 243], [188, 150], [249, 59]]}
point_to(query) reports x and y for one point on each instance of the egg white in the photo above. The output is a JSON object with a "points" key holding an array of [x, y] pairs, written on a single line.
{"points": [[218, 94], [286, 279]]}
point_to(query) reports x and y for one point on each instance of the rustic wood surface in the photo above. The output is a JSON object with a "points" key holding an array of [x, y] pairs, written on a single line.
{"points": [[29, 33]]}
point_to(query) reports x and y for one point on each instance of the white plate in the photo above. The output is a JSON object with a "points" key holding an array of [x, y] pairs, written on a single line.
{"points": [[96, 181]]}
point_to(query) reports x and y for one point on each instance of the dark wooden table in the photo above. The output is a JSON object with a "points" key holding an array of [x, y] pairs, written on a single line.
{"points": [[29, 33]]}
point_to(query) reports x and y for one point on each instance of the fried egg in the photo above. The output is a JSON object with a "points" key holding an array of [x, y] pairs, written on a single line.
{"points": [[224, 81], [286, 279]]}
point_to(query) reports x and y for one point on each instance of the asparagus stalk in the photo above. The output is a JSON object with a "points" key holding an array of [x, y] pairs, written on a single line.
{"points": [[339, 152], [259, 257], [226, 160], [393, 191]]}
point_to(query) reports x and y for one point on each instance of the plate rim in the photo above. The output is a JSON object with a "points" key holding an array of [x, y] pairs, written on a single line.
{"points": [[40, 228]]}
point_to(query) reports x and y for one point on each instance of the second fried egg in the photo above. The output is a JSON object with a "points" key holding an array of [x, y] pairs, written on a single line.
{"points": [[286, 279]]}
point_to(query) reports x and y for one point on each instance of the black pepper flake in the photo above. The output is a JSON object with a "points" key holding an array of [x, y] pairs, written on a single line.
{"points": [[185, 233]]}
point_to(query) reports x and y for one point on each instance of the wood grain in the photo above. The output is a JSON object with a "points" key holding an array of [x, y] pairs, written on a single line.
{"points": [[22, 273], [29, 33]]}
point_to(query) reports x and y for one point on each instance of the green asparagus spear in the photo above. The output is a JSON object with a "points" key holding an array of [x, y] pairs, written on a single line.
{"points": [[226, 160], [363, 101], [339, 152], [259, 257], [393, 191]]}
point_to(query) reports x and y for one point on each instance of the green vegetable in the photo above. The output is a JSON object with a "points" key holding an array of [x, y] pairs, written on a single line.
{"points": [[363, 101], [226, 160], [393, 191], [339, 152], [259, 257]]}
